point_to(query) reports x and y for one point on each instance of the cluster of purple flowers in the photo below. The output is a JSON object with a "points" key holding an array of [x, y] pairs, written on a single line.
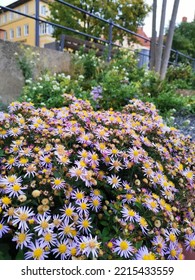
{"points": [[78, 183]]}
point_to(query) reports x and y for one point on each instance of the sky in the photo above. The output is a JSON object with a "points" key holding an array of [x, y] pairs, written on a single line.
{"points": [[186, 9]]}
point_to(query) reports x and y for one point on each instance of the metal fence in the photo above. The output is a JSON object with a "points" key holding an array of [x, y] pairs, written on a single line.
{"points": [[143, 55]]}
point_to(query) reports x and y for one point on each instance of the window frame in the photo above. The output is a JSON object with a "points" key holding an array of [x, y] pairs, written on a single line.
{"points": [[18, 34], [11, 33], [26, 28]]}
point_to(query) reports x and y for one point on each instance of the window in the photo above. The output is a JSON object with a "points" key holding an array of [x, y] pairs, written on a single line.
{"points": [[18, 10], [11, 16], [26, 9], [45, 28], [5, 35], [11, 34], [5, 18], [26, 30], [18, 31], [43, 10]]}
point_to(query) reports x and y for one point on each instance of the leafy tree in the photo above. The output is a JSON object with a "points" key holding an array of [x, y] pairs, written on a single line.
{"points": [[184, 39], [127, 13]]}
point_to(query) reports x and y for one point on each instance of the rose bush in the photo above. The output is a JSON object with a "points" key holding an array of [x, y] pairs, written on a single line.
{"points": [[79, 183]]}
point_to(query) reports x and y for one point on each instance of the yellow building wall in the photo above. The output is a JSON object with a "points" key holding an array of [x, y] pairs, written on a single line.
{"points": [[21, 21]]}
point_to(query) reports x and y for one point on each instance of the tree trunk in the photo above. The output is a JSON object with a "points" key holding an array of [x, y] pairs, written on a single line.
{"points": [[159, 47], [153, 40], [167, 50]]}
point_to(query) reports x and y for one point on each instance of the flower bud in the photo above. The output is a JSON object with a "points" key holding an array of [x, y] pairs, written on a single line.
{"points": [[36, 193]]}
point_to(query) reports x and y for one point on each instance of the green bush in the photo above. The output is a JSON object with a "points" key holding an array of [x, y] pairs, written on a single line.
{"points": [[182, 76], [120, 81], [47, 91]]}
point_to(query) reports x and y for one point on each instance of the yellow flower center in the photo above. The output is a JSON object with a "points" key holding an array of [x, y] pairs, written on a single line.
{"points": [[92, 244], [1, 226], [143, 222], [21, 237], [131, 213], [172, 237], [96, 202], [114, 180], [79, 195], [67, 230], [173, 253], [82, 246], [102, 132], [23, 160], [110, 245], [73, 251], [78, 172], [84, 154], [96, 192], [23, 217], [11, 179], [189, 174], [124, 245], [153, 204], [129, 196], [192, 243], [47, 160], [114, 151], [11, 160], [6, 200], [94, 157], [83, 206], [85, 223], [149, 256], [135, 153], [102, 146], [85, 137], [16, 187], [82, 163], [167, 207], [37, 253], [68, 212], [44, 224], [62, 248], [57, 182]]}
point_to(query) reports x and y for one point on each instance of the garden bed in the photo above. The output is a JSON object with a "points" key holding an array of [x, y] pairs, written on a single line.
{"points": [[75, 182]]}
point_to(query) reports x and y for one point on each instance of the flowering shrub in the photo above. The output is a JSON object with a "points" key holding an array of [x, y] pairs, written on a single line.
{"points": [[46, 91], [78, 183], [27, 60], [116, 82]]}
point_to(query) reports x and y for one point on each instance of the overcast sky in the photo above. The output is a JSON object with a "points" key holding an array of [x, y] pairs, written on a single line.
{"points": [[186, 8]]}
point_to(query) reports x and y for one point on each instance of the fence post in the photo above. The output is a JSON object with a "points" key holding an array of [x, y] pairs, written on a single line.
{"points": [[193, 65], [37, 23], [176, 58], [110, 40]]}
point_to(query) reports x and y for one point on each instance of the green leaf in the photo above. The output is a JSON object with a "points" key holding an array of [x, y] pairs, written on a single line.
{"points": [[20, 255], [104, 223], [1, 153], [138, 244], [139, 205], [105, 231], [4, 252]]}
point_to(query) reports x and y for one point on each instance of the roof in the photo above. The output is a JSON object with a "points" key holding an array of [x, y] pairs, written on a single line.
{"points": [[21, 2], [141, 41]]}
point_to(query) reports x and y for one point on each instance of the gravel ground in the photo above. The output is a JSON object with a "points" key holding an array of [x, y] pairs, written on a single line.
{"points": [[181, 123]]}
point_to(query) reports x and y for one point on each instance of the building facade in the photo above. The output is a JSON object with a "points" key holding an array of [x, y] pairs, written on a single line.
{"points": [[17, 28]]}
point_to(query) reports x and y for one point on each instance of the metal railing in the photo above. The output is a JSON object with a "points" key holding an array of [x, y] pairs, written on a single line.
{"points": [[108, 22]]}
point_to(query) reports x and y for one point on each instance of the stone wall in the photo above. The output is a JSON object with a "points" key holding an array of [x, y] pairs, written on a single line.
{"points": [[11, 76]]}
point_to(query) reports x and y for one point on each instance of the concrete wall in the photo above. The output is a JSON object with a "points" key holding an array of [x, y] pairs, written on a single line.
{"points": [[11, 77]]}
